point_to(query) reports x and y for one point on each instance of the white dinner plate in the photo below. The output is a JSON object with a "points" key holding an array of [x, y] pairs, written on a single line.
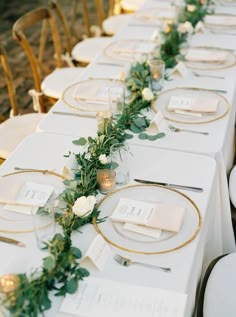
{"points": [[16, 222], [164, 97], [90, 96], [229, 61], [114, 233]]}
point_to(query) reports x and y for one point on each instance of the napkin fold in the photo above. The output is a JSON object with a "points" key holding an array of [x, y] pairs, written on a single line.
{"points": [[195, 104], [202, 55], [220, 20], [153, 215], [135, 47]]}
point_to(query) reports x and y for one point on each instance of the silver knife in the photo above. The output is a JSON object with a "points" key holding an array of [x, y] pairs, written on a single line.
{"points": [[194, 189], [12, 241]]}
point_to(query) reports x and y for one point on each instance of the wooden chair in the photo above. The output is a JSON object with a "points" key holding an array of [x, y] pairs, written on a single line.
{"points": [[15, 128], [32, 31], [85, 50]]}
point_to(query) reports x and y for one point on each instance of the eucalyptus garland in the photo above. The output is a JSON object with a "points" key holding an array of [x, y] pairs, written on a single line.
{"points": [[61, 272]]}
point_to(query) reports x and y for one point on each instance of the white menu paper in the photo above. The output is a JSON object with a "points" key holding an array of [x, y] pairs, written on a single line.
{"points": [[99, 297]]}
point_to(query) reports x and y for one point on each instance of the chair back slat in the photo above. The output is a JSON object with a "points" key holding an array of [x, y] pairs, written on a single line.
{"points": [[9, 81], [36, 58]]}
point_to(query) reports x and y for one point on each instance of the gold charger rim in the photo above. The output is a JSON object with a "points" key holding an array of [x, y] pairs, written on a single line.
{"points": [[229, 52], [29, 171], [183, 244], [88, 113], [190, 122]]}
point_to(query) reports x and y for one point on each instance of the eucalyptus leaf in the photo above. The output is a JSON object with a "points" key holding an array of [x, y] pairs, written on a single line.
{"points": [[156, 136], [80, 141], [49, 263], [72, 286], [134, 128], [143, 136], [76, 252]]}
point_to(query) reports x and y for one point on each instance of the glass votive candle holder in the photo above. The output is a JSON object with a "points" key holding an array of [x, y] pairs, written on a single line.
{"points": [[103, 119], [9, 283], [106, 180], [157, 70]]}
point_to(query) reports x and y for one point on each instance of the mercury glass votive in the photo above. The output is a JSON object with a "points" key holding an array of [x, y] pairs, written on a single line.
{"points": [[106, 180], [103, 119]]}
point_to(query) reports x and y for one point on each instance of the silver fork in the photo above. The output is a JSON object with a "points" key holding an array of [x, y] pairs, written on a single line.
{"points": [[175, 129], [127, 262]]}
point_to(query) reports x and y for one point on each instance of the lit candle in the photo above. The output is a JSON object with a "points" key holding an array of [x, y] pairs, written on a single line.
{"points": [[106, 180], [8, 283]]}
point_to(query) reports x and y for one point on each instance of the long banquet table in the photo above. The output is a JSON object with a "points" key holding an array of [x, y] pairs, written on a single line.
{"points": [[219, 144], [181, 158]]}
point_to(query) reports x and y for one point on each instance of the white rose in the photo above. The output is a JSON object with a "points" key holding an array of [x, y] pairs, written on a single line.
{"points": [[147, 94], [103, 159], [185, 27], [191, 7], [83, 206]]}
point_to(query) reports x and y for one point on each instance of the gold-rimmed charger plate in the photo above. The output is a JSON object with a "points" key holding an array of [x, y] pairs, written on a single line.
{"points": [[114, 233], [15, 222], [229, 61], [90, 96], [129, 50], [163, 100]]}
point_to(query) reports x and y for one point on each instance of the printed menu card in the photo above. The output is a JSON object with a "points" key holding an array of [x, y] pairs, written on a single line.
{"points": [[100, 297]]}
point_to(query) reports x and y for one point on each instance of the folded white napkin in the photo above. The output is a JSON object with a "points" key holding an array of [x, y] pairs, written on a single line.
{"points": [[221, 20], [155, 215], [193, 103], [135, 47], [167, 217], [202, 55]]}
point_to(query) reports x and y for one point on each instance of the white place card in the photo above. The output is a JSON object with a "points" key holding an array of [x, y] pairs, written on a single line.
{"points": [[98, 252], [34, 194], [156, 122], [200, 28], [132, 211], [180, 70], [100, 297], [146, 231]]}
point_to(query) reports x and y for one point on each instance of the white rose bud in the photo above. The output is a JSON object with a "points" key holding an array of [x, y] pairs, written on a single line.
{"points": [[83, 206], [147, 94], [185, 27], [103, 159]]}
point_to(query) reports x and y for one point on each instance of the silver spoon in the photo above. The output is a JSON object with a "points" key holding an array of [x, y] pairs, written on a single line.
{"points": [[175, 129]]}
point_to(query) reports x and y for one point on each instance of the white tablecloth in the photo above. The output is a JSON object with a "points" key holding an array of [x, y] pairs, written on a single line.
{"points": [[45, 151]]}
